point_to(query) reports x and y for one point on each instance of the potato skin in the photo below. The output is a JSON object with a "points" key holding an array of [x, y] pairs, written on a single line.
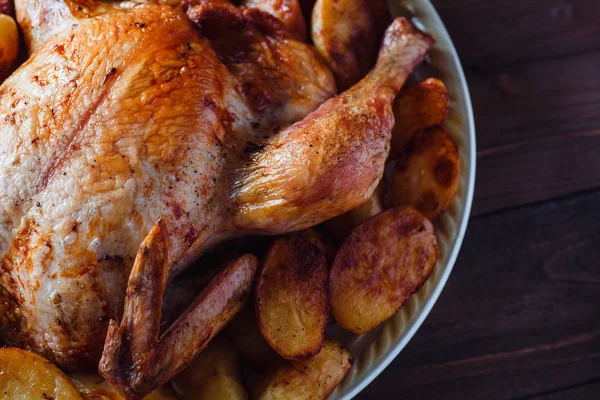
{"points": [[310, 379], [417, 107], [426, 173], [383, 262], [292, 298], [245, 335], [347, 34], [9, 45], [25, 375], [323, 243], [214, 374]]}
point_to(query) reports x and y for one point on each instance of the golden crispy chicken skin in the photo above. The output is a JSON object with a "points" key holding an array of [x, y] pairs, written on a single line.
{"points": [[281, 77], [124, 116], [288, 12]]}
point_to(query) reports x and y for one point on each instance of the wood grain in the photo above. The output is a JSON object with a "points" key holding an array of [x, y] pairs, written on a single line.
{"points": [[532, 70], [587, 390], [520, 315], [532, 170], [522, 102], [500, 33]]}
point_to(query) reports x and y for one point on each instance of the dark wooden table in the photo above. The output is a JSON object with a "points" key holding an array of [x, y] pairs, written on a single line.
{"points": [[520, 316]]}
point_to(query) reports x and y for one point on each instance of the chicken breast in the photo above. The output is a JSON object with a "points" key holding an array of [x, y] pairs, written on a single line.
{"points": [[123, 116]]}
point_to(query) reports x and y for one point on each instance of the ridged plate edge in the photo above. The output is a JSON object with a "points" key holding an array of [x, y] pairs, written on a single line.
{"points": [[374, 351]]}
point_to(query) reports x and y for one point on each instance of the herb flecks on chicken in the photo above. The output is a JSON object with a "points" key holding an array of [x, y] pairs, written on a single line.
{"points": [[123, 116]]}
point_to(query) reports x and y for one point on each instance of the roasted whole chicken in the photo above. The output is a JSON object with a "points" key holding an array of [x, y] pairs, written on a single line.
{"points": [[138, 135]]}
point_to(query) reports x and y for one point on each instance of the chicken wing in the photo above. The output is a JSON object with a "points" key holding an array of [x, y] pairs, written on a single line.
{"points": [[124, 115]]}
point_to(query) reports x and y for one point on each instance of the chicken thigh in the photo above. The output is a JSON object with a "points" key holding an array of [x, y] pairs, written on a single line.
{"points": [[124, 129]]}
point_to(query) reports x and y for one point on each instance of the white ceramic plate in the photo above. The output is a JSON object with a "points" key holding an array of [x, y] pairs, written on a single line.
{"points": [[375, 350]]}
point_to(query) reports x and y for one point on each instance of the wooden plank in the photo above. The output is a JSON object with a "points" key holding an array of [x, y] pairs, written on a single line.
{"points": [[536, 100], [489, 33], [589, 390], [520, 315], [533, 170], [532, 70], [538, 130]]}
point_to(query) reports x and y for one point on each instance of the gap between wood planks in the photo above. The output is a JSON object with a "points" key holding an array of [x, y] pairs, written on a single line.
{"points": [[520, 316], [489, 34], [527, 276], [532, 69], [538, 131]]}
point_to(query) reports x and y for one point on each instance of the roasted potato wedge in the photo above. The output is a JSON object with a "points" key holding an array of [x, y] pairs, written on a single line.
{"points": [[9, 44], [426, 174], [347, 34], [288, 12], [92, 386], [24, 375], [244, 333], [292, 298], [214, 374], [313, 236], [340, 227], [383, 262], [310, 379], [418, 107]]}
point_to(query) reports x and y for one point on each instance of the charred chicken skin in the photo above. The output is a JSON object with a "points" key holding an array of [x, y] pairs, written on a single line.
{"points": [[135, 137]]}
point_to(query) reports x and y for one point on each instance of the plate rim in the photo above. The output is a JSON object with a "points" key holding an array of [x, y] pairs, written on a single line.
{"points": [[367, 378]]}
